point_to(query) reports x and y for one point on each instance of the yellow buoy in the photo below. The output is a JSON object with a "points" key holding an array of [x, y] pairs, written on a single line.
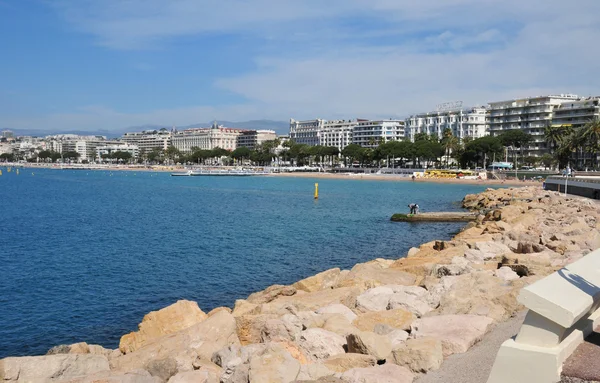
{"points": [[0, 172], [316, 191]]}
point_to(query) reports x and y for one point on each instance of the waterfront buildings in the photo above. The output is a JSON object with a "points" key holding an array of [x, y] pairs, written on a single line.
{"points": [[85, 146], [372, 133], [576, 114], [216, 136], [341, 133], [8, 134], [253, 138], [531, 115], [463, 122], [110, 149], [149, 140]]}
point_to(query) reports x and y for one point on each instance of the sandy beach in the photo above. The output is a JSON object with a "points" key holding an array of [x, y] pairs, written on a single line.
{"points": [[316, 175]]}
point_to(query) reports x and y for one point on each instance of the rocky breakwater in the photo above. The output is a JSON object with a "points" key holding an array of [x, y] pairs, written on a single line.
{"points": [[382, 321]]}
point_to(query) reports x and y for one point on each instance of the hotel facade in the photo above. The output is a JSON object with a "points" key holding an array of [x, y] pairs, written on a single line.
{"points": [[530, 115], [464, 123]]}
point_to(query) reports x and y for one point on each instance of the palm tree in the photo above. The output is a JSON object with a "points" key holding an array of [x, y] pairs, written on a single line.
{"points": [[449, 143], [590, 139], [553, 135]]}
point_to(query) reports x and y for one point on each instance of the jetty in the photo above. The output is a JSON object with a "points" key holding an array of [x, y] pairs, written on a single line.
{"points": [[454, 216]]}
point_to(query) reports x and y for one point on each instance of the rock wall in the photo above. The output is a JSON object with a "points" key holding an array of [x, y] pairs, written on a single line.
{"points": [[381, 321]]}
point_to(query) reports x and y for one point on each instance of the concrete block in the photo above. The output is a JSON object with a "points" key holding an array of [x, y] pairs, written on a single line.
{"points": [[540, 331], [558, 298], [521, 363]]}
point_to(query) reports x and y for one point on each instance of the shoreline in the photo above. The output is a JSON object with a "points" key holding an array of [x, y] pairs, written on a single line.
{"points": [[316, 175], [382, 318]]}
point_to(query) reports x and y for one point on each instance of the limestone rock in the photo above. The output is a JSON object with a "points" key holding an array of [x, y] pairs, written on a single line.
{"points": [[506, 274], [480, 293], [408, 302], [193, 377], [338, 308], [420, 355], [249, 328], [324, 280], [397, 338], [338, 324], [134, 376], [456, 332], [314, 372], [217, 309], [201, 340], [369, 343], [345, 362], [387, 373], [395, 318], [273, 365], [321, 344], [378, 298], [176, 317], [277, 330], [271, 293], [243, 307], [163, 368], [51, 367], [375, 274], [312, 301]]}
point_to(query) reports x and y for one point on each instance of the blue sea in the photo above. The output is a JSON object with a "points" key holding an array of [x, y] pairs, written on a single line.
{"points": [[85, 254]]}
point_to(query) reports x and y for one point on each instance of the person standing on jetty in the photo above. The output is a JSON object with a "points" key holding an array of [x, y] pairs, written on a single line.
{"points": [[414, 208]]}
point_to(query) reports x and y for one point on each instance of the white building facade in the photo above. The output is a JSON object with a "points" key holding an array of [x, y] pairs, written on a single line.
{"points": [[337, 133], [253, 138], [306, 132], [207, 138], [531, 115], [577, 114], [147, 141], [467, 122], [372, 133], [109, 149]]}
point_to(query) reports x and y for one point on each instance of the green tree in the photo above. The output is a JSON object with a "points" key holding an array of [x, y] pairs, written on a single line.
{"points": [[7, 157], [351, 152], [547, 160], [70, 155], [590, 137], [515, 139]]}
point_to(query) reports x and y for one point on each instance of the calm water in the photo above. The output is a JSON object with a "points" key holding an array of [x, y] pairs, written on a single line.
{"points": [[84, 255]]}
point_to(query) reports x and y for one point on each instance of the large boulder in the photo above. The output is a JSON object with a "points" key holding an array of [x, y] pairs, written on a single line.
{"points": [[273, 365], [338, 308], [271, 293], [51, 367], [456, 332], [250, 328], [369, 343], [387, 373], [416, 305], [345, 362], [338, 324], [321, 344], [420, 355], [478, 293], [185, 346], [373, 274], [194, 377], [396, 318], [277, 330], [324, 280], [176, 317], [312, 301], [378, 298], [135, 376]]}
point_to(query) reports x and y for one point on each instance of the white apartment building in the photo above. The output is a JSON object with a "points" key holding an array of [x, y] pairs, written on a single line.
{"points": [[84, 145], [531, 115], [370, 134], [306, 132], [109, 149], [207, 138], [252, 138], [466, 122], [336, 133], [577, 114]]}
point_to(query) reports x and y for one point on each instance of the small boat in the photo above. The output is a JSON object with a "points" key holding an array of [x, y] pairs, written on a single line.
{"points": [[182, 174]]}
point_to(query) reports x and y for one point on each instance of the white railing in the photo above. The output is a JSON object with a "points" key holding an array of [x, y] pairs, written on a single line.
{"points": [[563, 310]]}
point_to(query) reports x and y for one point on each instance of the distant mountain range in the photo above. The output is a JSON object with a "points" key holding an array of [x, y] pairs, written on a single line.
{"points": [[281, 127]]}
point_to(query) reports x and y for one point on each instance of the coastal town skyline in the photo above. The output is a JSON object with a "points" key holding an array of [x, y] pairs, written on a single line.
{"points": [[104, 66]]}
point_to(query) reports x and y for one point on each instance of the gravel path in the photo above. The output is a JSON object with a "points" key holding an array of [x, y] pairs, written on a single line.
{"points": [[474, 366]]}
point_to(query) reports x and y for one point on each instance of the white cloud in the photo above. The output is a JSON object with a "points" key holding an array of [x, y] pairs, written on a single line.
{"points": [[357, 58]]}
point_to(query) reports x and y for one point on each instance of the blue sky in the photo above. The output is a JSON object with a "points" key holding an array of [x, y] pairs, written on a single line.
{"points": [[110, 64]]}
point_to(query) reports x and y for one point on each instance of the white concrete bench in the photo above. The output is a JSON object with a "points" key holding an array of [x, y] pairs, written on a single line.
{"points": [[563, 310]]}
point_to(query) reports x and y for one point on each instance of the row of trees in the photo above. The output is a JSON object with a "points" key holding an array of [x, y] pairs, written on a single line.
{"points": [[579, 145]]}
